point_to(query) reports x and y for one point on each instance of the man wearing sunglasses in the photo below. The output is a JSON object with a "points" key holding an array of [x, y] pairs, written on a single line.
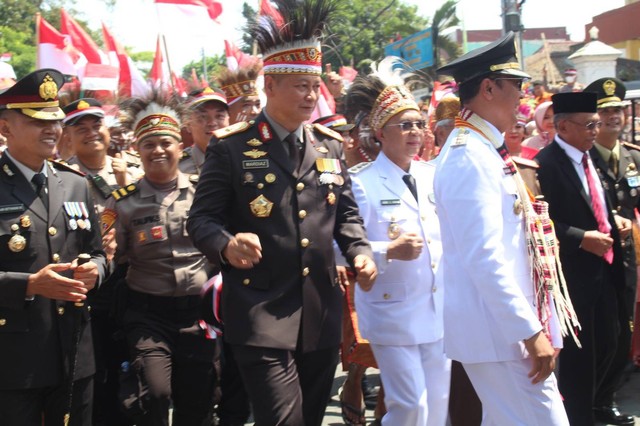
{"points": [[491, 325], [590, 251]]}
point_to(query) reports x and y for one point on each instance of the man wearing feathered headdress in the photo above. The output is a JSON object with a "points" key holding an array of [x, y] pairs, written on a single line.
{"points": [[240, 87], [273, 196]]}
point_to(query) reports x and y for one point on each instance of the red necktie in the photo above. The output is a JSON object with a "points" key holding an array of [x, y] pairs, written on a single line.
{"points": [[596, 205]]}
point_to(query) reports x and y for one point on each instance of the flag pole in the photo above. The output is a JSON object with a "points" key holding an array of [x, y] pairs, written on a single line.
{"points": [[37, 43], [166, 52]]}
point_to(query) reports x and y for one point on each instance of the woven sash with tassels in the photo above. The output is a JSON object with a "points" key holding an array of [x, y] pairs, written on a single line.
{"points": [[542, 244]]}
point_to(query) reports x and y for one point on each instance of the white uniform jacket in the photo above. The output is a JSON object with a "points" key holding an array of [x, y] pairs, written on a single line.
{"points": [[404, 307], [488, 308]]}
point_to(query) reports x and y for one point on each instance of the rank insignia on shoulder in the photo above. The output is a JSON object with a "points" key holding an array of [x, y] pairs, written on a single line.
{"points": [[185, 154], [7, 170], [255, 153], [359, 167], [525, 162], [461, 137], [631, 146], [57, 165], [124, 192], [328, 132], [235, 128]]}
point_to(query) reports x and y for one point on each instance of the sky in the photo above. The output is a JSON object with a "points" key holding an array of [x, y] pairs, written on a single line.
{"points": [[134, 23]]}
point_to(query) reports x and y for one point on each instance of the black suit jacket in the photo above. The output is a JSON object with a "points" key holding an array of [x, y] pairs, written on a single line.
{"points": [[294, 287], [36, 336], [570, 209]]}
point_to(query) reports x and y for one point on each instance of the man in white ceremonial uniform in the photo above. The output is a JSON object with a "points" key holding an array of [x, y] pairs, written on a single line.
{"points": [[401, 314], [492, 320]]}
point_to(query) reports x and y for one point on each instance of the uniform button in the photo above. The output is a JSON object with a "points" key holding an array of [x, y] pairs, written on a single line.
{"points": [[386, 296], [305, 272], [433, 266], [52, 231], [60, 310], [304, 242], [15, 227], [55, 257], [2, 322], [300, 186], [616, 186], [260, 185], [423, 218], [246, 281], [302, 214], [434, 289], [428, 240], [89, 308]]}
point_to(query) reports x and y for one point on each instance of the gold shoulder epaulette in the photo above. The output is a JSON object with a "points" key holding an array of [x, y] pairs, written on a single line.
{"points": [[186, 153], [133, 153], [194, 179], [328, 132], [631, 146], [461, 137], [525, 162], [359, 167], [124, 192], [238, 127], [65, 167]]}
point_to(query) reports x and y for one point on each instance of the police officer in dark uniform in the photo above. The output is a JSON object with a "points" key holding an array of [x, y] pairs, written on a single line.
{"points": [[617, 164], [272, 197], [46, 220], [169, 348]]}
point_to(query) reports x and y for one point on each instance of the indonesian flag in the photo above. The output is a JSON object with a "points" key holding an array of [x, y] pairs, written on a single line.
{"points": [[236, 58], [81, 40], [267, 9], [55, 50], [100, 77], [131, 81], [159, 76], [197, 9]]}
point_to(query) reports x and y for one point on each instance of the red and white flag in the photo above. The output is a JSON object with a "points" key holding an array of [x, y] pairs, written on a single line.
{"points": [[159, 75], [131, 81], [100, 77], [81, 40], [55, 50], [195, 9]]}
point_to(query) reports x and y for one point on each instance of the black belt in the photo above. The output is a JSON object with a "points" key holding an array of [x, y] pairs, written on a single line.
{"points": [[162, 303]]}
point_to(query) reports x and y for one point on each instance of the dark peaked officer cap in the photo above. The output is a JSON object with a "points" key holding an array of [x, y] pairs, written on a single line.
{"points": [[610, 91], [499, 57], [35, 95], [81, 108]]}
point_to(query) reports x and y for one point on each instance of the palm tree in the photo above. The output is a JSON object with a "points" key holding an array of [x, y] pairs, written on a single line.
{"points": [[444, 18]]}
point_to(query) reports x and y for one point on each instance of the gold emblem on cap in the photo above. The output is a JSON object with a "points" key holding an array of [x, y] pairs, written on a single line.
{"points": [[48, 89], [393, 231], [254, 142], [261, 206], [25, 221], [609, 87], [83, 105], [254, 153], [17, 243], [270, 178]]}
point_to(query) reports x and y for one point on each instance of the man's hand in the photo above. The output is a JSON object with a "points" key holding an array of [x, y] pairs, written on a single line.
{"points": [[87, 273], [596, 242], [119, 166], [343, 278], [109, 244], [407, 246], [48, 283], [366, 271], [243, 251], [542, 355], [624, 226]]}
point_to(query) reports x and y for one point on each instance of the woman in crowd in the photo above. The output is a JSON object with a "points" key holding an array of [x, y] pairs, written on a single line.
{"points": [[543, 117]]}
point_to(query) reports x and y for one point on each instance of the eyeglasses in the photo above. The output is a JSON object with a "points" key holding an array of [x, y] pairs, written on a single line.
{"points": [[519, 81], [408, 125], [589, 125]]}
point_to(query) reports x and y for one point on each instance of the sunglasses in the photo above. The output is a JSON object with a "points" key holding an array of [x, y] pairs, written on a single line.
{"points": [[519, 81], [589, 125], [406, 126]]}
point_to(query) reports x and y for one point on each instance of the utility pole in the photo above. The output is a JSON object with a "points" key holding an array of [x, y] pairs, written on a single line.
{"points": [[512, 21]]}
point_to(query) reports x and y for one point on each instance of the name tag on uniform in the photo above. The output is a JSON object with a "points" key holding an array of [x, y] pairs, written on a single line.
{"points": [[255, 164], [12, 208], [633, 181], [394, 202]]}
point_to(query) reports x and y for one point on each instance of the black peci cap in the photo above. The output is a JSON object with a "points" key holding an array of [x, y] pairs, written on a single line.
{"points": [[499, 57], [36, 95], [574, 102]]}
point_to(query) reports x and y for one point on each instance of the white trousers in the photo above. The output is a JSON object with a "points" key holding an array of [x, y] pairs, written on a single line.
{"points": [[509, 398], [416, 383]]}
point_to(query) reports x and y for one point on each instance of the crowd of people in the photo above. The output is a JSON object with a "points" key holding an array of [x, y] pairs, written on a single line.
{"points": [[215, 258]]}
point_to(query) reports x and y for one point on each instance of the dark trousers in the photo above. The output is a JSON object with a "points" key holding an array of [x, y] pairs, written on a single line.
{"points": [[581, 371], [287, 388], [465, 408], [174, 363], [47, 406], [234, 408]]}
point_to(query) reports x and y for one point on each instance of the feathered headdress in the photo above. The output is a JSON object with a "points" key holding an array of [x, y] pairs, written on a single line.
{"points": [[294, 47], [156, 115], [239, 83], [383, 92]]}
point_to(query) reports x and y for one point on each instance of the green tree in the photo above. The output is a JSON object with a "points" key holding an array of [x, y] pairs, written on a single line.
{"points": [[21, 46], [444, 18], [213, 65]]}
